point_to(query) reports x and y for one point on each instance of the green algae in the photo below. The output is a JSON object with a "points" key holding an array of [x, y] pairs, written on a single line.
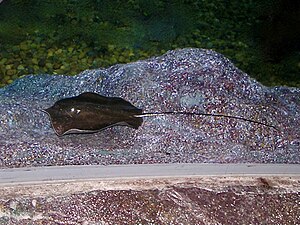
{"points": [[67, 36]]}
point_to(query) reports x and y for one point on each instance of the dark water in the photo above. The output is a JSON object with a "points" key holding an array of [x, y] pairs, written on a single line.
{"points": [[69, 36]]}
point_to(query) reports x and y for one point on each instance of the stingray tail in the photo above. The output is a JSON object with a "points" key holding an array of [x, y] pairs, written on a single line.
{"points": [[202, 114]]}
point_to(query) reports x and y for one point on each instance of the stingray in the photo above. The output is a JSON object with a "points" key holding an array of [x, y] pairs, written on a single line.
{"points": [[90, 112]]}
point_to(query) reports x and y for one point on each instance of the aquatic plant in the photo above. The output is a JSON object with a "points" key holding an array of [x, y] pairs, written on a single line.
{"points": [[68, 36]]}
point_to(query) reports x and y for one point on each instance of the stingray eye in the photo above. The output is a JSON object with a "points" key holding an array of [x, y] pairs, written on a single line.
{"points": [[77, 111]]}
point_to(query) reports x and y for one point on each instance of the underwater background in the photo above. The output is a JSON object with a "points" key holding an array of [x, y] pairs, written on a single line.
{"points": [[69, 36]]}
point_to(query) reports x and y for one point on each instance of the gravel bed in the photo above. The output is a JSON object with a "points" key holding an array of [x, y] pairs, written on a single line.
{"points": [[191, 80]]}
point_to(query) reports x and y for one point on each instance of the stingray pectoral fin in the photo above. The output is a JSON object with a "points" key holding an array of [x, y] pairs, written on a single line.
{"points": [[134, 122], [57, 124]]}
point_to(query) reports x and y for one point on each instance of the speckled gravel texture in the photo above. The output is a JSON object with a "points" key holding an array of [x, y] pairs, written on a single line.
{"points": [[191, 80], [231, 201]]}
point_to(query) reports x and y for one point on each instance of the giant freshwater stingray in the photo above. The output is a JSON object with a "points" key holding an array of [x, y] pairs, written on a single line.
{"points": [[90, 112]]}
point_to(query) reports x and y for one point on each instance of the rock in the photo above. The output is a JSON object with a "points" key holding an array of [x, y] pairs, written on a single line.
{"points": [[50, 53], [6, 78], [11, 72], [192, 80], [3, 61], [20, 67], [49, 65], [10, 81], [24, 46], [9, 66], [35, 61]]}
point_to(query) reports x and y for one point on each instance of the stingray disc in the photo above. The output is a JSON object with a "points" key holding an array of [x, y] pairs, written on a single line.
{"points": [[90, 112]]}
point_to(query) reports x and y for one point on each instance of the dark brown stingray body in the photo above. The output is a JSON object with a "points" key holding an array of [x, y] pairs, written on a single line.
{"points": [[90, 112]]}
